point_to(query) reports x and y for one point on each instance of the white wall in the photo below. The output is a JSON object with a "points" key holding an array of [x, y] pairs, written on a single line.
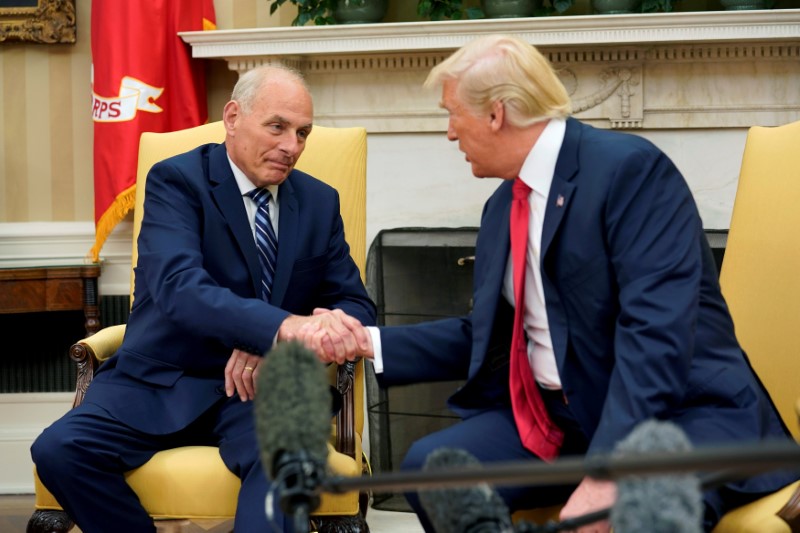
{"points": [[423, 180]]}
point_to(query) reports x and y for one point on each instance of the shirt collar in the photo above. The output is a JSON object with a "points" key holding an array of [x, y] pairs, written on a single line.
{"points": [[245, 185], [540, 165]]}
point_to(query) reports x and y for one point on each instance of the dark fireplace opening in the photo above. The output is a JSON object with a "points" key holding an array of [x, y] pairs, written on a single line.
{"points": [[416, 275]]}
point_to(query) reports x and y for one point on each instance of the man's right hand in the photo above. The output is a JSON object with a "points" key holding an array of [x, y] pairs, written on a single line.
{"points": [[332, 334]]}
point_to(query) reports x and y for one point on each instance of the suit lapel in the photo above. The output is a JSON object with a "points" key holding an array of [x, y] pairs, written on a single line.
{"points": [[287, 240], [493, 248], [557, 204], [228, 197], [562, 188], [501, 236]]}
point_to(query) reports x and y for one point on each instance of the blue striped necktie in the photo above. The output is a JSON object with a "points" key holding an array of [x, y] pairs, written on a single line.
{"points": [[266, 242]]}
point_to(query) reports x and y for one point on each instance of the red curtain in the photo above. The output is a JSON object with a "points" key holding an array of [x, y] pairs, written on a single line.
{"points": [[143, 79]]}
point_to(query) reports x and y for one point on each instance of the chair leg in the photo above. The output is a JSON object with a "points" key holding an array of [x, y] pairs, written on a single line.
{"points": [[49, 522], [341, 524]]}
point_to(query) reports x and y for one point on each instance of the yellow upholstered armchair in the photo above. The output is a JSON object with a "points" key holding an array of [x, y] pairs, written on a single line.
{"points": [[192, 483], [761, 284]]}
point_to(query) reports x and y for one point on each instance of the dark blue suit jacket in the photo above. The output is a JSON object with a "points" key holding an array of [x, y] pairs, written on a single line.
{"points": [[638, 323], [197, 287]]}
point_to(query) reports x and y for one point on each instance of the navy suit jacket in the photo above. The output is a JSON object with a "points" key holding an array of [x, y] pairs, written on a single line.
{"points": [[197, 287], [638, 323]]}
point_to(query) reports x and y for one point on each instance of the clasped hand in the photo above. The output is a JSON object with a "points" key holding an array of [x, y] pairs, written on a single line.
{"points": [[332, 334]]}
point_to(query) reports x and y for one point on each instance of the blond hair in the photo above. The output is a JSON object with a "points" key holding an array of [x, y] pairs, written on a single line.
{"points": [[501, 68]]}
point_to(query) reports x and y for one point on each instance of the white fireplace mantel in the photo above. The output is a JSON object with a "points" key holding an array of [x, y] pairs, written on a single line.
{"points": [[642, 71], [690, 27], [692, 82]]}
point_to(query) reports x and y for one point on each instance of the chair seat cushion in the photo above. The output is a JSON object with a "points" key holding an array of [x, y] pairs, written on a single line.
{"points": [[759, 516], [756, 517], [192, 482]]}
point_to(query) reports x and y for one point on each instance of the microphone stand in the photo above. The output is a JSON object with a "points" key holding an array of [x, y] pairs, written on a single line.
{"points": [[298, 477], [743, 460]]}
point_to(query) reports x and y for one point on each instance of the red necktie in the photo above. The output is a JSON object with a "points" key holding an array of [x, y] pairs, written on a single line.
{"points": [[538, 433]]}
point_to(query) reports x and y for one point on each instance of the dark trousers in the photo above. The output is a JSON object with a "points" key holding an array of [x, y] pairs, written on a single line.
{"points": [[492, 437], [83, 456]]}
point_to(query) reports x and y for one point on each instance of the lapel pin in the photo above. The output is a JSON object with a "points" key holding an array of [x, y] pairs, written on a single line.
{"points": [[560, 201]]}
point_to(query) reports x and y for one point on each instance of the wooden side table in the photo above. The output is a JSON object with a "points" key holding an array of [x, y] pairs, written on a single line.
{"points": [[52, 288]]}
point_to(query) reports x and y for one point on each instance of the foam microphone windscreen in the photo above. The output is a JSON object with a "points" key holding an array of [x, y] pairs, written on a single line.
{"points": [[659, 503], [463, 510], [292, 405]]}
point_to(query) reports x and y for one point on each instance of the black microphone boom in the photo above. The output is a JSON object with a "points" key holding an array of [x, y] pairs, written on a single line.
{"points": [[743, 460], [292, 419]]}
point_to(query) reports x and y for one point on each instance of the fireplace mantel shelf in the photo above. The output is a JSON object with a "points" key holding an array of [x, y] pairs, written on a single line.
{"points": [[712, 69], [588, 30]]}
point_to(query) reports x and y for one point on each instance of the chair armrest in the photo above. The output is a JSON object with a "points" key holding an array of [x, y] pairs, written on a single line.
{"points": [[797, 410], [91, 351], [88, 353], [346, 419], [790, 513]]}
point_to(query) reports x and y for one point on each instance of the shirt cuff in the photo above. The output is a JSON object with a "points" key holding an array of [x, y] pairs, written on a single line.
{"points": [[377, 353]]}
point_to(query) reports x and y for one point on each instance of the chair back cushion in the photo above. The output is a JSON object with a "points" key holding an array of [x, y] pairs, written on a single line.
{"points": [[759, 276], [337, 156]]}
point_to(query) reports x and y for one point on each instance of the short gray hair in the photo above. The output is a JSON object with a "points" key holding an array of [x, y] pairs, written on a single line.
{"points": [[250, 82]]}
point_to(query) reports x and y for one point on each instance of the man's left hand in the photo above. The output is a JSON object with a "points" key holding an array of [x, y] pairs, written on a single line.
{"points": [[240, 374]]}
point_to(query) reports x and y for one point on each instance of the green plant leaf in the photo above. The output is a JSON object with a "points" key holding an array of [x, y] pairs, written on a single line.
{"points": [[424, 8], [561, 5], [650, 6], [475, 13], [441, 9]]}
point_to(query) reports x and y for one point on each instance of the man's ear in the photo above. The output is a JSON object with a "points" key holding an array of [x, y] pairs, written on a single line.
{"points": [[230, 113], [498, 116]]}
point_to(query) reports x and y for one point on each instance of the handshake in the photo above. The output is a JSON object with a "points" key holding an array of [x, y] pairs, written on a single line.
{"points": [[333, 335]]}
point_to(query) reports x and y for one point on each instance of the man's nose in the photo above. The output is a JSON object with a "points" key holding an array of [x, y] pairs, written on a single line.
{"points": [[290, 144], [451, 133]]}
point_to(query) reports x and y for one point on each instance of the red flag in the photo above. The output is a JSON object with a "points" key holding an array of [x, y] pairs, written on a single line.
{"points": [[143, 79]]}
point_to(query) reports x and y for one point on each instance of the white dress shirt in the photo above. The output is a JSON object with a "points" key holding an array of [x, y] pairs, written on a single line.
{"points": [[245, 186], [537, 172]]}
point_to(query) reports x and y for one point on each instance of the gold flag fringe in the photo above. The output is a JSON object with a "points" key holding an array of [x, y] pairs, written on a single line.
{"points": [[123, 204]]}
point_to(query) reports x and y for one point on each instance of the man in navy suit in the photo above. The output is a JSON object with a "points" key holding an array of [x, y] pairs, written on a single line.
{"points": [[199, 326], [623, 316]]}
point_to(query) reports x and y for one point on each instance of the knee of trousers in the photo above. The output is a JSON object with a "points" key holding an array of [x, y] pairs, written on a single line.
{"points": [[53, 452], [417, 454]]}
